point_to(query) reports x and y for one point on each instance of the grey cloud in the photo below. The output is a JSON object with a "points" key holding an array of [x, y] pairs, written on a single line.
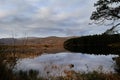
{"points": [[47, 17]]}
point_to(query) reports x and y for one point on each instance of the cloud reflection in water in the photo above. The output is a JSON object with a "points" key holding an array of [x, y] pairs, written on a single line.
{"points": [[55, 64]]}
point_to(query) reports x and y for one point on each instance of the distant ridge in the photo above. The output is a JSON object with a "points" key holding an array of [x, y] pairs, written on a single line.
{"points": [[33, 40]]}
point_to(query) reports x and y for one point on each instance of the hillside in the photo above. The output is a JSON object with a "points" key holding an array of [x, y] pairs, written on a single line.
{"points": [[33, 40], [32, 46]]}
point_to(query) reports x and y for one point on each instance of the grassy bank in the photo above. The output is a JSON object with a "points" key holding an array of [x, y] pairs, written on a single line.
{"points": [[7, 74]]}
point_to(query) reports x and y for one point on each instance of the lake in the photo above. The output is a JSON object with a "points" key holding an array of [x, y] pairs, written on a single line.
{"points": [[55, 64]]}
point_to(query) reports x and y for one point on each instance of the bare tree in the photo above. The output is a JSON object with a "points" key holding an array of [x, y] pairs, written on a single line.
{"points": [[107, 10]]}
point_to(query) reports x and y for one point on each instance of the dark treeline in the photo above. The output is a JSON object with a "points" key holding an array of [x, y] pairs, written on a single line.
{"points": [[95, 44]]}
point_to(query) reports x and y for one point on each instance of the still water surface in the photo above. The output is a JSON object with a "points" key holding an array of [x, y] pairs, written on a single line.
{"points": [[56, 64]]}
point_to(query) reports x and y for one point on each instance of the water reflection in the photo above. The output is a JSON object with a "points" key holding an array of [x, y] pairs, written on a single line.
{"points": [[56, 64], [96, 44]]}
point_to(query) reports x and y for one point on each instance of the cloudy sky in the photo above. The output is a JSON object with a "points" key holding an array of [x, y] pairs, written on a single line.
{"points": [[41, 18]]}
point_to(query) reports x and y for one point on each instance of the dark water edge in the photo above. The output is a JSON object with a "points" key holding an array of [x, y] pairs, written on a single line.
{"points": [[96, 44]]}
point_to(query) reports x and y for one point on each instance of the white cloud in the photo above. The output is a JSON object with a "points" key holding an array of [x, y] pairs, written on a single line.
{"points": [[43, 13], [3, 13]]}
